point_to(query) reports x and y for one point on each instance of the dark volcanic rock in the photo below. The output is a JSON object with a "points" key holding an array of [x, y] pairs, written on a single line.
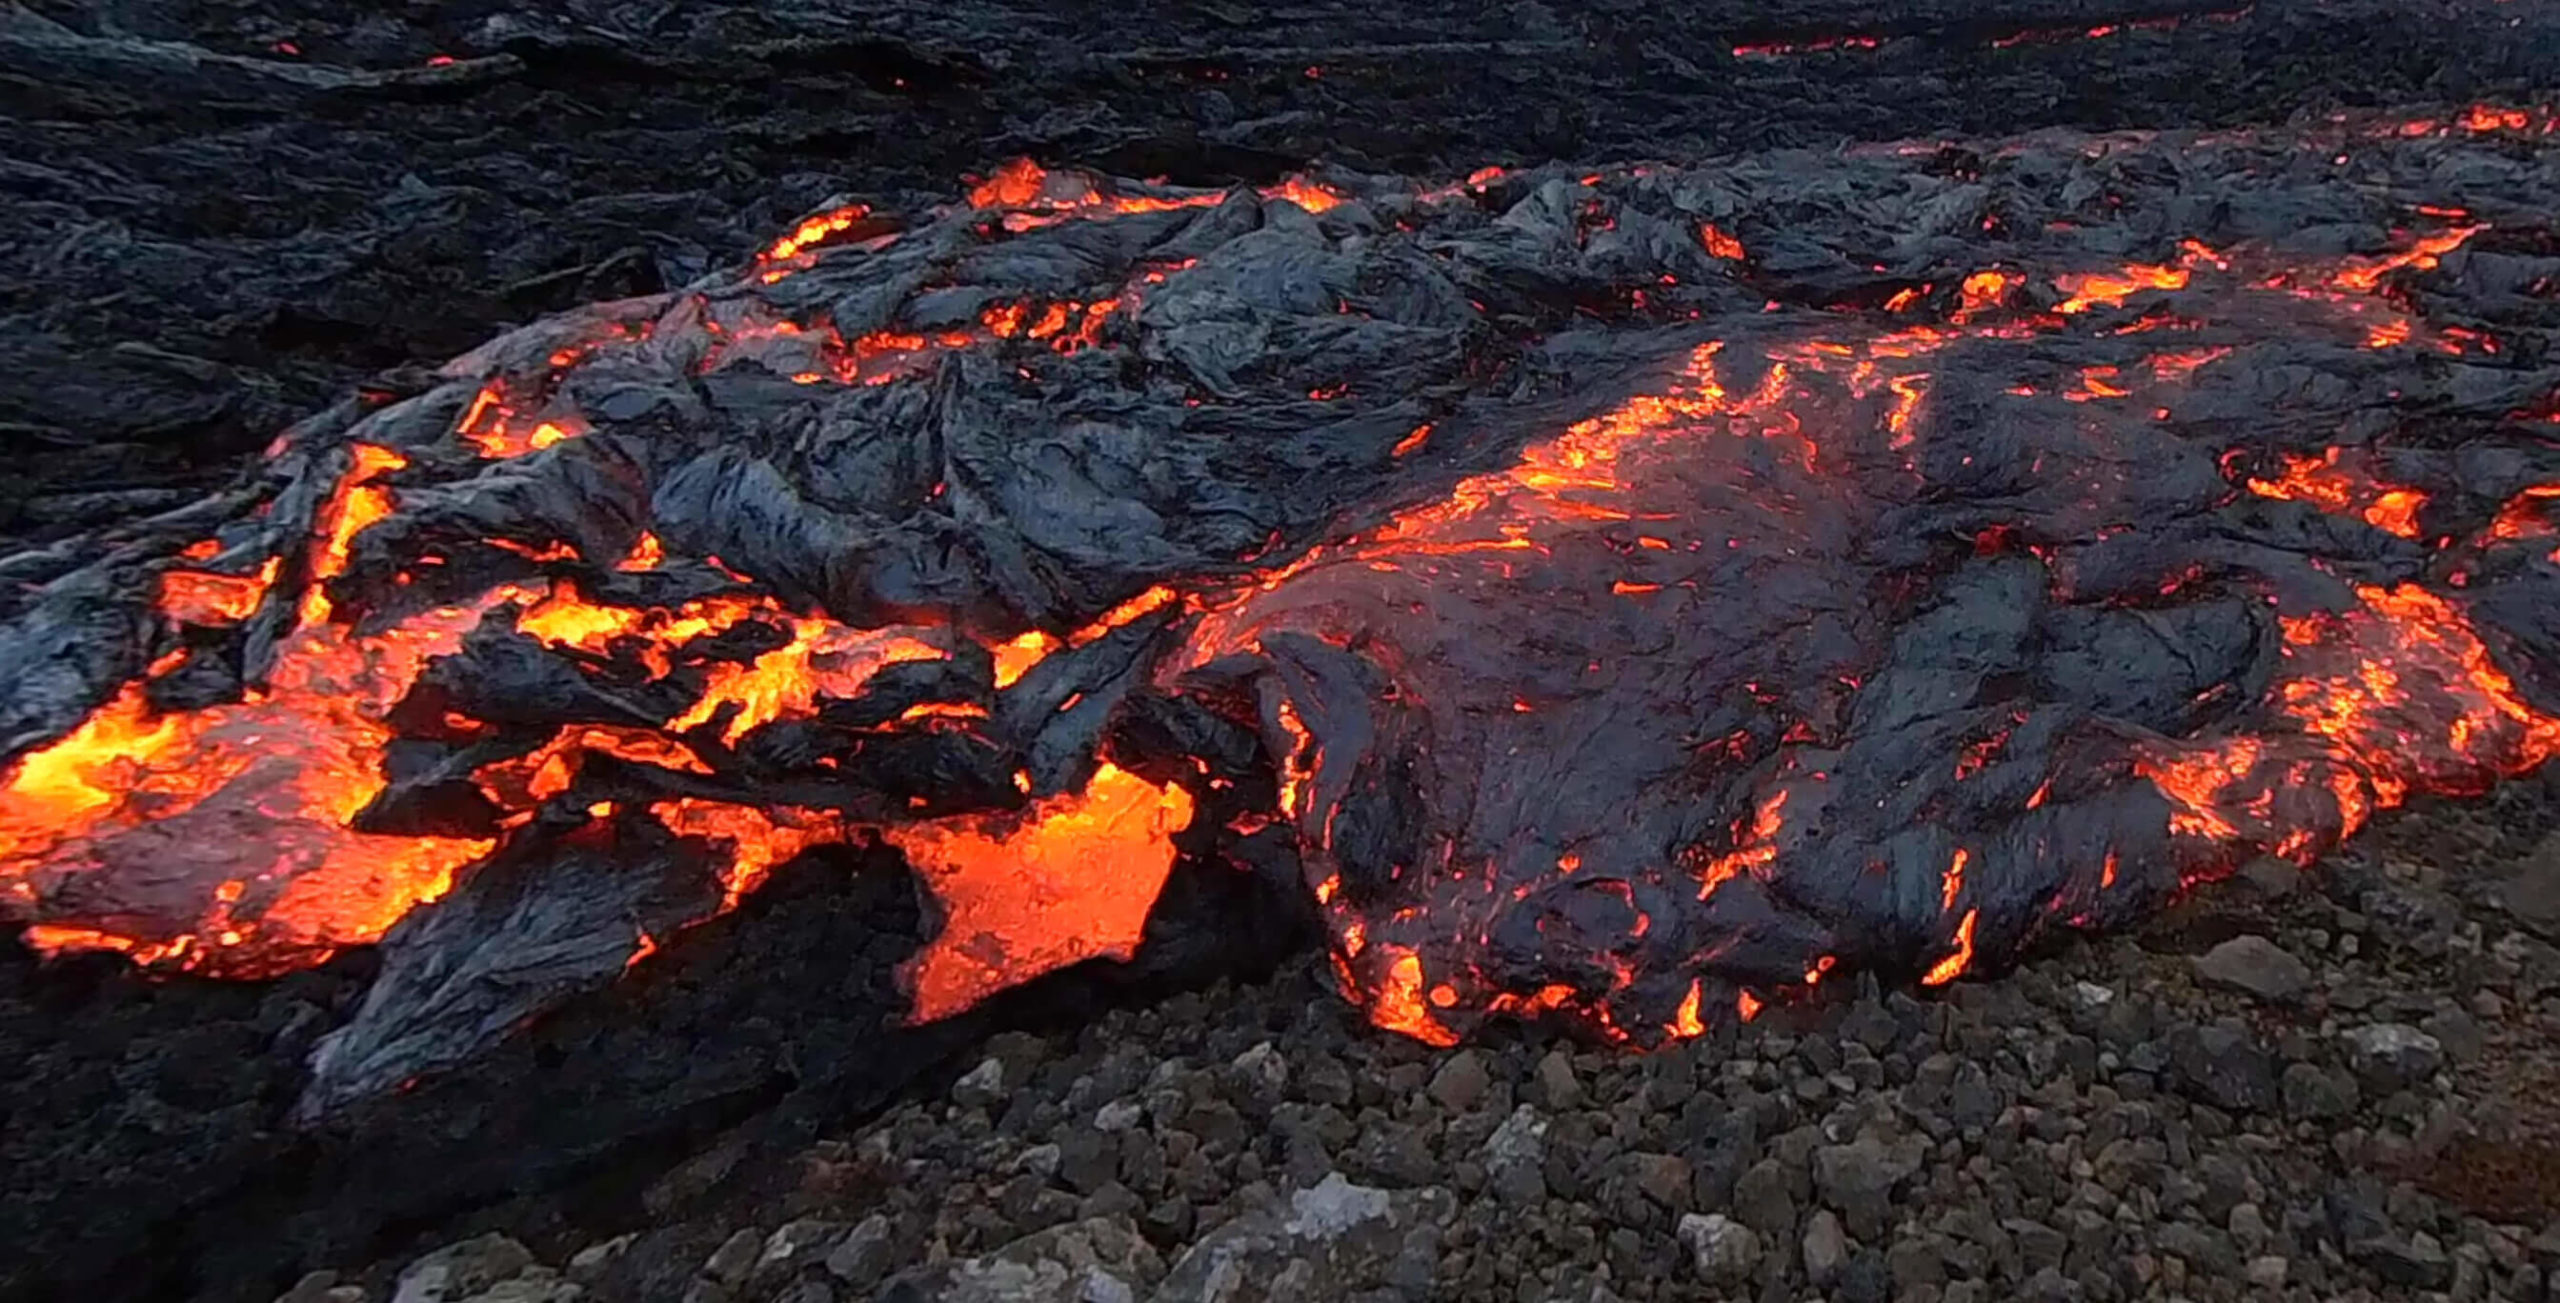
{"points": [[2223, 1065], [2257, 966]]}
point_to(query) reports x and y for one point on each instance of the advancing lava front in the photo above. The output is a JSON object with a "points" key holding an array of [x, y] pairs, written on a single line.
{"points": [[1629, 595]]}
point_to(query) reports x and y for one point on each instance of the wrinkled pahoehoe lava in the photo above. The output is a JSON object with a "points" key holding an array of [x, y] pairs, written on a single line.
{"points": [[1631, 594]]}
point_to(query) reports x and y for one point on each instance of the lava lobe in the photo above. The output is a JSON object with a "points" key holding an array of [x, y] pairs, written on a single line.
{"points": [[1628, 596]]}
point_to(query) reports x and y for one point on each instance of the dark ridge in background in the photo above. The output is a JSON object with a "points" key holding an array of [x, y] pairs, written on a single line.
{"points": [[196, 251]]}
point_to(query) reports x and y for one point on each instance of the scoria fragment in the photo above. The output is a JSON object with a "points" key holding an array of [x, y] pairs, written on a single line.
{"points": [[1653, 588]]}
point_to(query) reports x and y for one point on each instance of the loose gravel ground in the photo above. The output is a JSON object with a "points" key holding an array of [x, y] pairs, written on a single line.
{"points": [[2327, 1086]]}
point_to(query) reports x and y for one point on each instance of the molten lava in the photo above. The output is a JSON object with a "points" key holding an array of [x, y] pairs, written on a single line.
{"points": [[1069, 879], [1875, 614]]}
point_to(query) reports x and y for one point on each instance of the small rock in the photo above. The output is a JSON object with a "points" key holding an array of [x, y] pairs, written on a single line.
{"points": [[1857, 1179], [2223, 1065], [796, 1244], [1460, 1082], [1104, 1261], [1916, 1263], [2247, 1226], [313, 1288], [1664, 1178], [1119, 1115], [1333, 1206], [982, 1086], [458, 1271], [1087, 1159], [1334, 1240], [536, 1285], [1724, 1251], [2268, 1271], [1826, 1248], [2457, 1032], [2271, 877], [2418, 1262], [2206, 1250], [730, 1263], [1557, 1085], [2257, 966], [2040, 1247], [2311, 1094], [589, 1264], [1866, 1279], [1040, 1160], [862, 1257], [1262, 1066], [1762, 1197], [1515, 1157], [2392, 1056]]}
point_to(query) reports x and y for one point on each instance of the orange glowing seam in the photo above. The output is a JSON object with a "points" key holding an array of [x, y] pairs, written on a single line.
{"points": [[1952, 882], [1948, 969], [2111, 289], [2323, 483], [1016, 656], [1757, 850], [823, 659], [1043, 196], [1685, 1023], [2364, 275], [808, 234]]}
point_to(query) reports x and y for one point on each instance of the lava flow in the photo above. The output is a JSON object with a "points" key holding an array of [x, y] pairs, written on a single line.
{"points": [[1635, 596]]}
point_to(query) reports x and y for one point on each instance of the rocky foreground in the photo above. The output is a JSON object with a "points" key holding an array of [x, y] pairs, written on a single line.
{"points": [[2316, 1088]]}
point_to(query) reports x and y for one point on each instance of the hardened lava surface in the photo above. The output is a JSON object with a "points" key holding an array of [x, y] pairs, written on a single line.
{"points": [[1628, 594]]}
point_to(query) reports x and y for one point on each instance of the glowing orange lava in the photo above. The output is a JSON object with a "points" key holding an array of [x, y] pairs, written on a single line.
{"points": [[2322, 482], [204, 597], [1069, 879], [823, 659]]}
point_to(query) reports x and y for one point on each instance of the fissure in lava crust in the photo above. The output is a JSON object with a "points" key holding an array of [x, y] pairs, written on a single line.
{"points": [[1627, 595]]}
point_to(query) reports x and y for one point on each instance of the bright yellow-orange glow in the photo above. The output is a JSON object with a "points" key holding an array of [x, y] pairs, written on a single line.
{"points": [[2322, 482], [1069, 879], [203, 597], [758, 840], [1686, 1024], [1397, 1004], [1948, 969], [1719, 243], [1015, 657], [2111, 289], [823, 659]]}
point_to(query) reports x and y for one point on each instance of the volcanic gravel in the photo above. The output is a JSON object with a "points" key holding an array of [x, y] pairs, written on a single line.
{"points": [[2330, 1087]]}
